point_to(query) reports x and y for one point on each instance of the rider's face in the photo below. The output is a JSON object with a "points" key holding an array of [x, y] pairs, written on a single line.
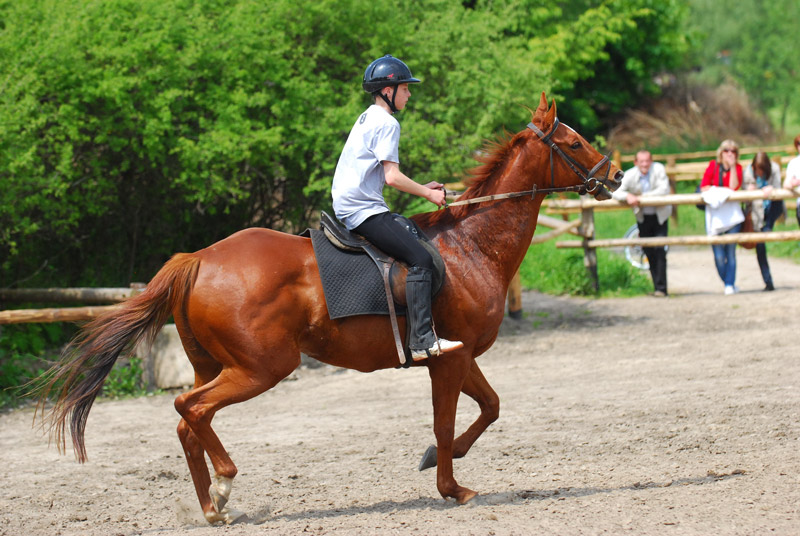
{"points": [[403, 94]]}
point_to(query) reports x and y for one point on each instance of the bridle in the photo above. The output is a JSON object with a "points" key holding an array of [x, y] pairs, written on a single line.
{"points": [[590, 185]]}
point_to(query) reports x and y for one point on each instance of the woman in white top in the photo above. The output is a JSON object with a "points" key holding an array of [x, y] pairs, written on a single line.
{"points": [[369, 160], [792, 179]]}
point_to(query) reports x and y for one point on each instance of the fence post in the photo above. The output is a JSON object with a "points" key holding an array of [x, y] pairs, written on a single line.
{"points": [[671, 161], [589, 253], [617, 158]]}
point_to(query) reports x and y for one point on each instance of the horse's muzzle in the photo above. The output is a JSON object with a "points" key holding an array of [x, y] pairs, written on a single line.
{"points": [[602, 194], [611, 185]]}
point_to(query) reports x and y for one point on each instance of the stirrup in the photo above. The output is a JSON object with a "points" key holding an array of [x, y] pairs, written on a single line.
{"points": [[438, 348]]}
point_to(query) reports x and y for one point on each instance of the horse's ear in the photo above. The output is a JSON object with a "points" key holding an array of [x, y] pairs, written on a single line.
{"points": [[542, 109], [550, 116]]}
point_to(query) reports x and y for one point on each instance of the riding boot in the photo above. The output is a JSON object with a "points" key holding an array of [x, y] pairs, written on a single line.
{"points": [[418, 297]]}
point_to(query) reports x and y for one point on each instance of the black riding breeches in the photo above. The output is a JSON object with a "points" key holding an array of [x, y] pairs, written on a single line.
{"points": [[394, 239]]}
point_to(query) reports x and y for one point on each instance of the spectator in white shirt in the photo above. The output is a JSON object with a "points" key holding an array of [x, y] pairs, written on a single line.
{"points": [[648, 178]]}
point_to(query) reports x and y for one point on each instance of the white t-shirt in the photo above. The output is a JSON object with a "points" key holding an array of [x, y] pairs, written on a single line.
{"points": [[792, 170], [359, 179]]}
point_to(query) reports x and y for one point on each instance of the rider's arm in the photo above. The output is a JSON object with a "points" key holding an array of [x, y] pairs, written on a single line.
{"points": [[398, 180]]}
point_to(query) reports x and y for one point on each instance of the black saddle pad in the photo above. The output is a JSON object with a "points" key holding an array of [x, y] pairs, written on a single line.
{"points": [[351, 280]]}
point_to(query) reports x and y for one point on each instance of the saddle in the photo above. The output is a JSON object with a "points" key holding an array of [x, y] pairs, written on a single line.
{"points": [[392, 272]]}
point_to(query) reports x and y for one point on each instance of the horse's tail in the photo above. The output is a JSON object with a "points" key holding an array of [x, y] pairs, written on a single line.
{"points": [[86, 362]]}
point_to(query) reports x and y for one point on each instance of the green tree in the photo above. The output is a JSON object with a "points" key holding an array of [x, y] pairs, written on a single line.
{"points": [[131, 129], [752, 45], [612, 53], [766, 61]]}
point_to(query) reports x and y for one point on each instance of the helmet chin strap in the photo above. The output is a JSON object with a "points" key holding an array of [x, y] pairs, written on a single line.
{"points": [[386, 99]]}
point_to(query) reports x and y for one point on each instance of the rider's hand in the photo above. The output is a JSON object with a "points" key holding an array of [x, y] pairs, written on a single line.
{"points": [[436, 196], [632, 200]]}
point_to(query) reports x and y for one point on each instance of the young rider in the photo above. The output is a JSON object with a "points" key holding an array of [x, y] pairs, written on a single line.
{"points": [[369, 160]]}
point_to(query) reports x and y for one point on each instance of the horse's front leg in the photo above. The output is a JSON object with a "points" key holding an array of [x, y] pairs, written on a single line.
{"points": [[448, 374], [476, 387]]}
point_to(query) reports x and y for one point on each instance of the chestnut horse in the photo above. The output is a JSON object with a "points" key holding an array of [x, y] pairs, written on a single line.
{"points": [[247, 306]]}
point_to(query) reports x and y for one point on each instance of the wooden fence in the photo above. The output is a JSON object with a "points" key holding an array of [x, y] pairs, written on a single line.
{"points": [[586, 208], [679, 167], [62, 295]]}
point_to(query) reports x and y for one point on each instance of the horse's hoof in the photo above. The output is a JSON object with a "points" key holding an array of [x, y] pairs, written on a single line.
{"points": [[220, 491], [428, 459], [467, 496], [227, 516]]}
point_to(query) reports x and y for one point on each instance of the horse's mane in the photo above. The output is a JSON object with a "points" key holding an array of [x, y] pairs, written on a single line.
{"points": [[493, 158]]}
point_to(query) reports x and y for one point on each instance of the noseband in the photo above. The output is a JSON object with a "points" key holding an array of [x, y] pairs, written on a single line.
{"points": [[590, 185]]}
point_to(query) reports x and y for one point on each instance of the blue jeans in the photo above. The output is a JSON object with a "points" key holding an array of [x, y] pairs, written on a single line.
{"points": [[725, 258], [775, 211]]}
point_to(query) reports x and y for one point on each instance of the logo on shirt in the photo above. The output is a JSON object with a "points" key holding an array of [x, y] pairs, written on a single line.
{"points": [[362, 119]]}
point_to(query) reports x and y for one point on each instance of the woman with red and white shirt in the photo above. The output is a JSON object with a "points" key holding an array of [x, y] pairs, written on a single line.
{"points": [[725, 172]]}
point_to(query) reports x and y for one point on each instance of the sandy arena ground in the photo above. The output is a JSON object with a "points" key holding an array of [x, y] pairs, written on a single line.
{"points": [[641, 416]]}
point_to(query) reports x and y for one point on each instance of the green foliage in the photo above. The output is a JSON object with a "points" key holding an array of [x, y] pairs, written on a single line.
{"points": [[611, 59], [28, 350], [126, 379], [133, 129], [753, 44], [25, 353]]}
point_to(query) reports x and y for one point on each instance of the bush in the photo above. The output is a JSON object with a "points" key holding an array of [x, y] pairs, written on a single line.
{"points": [[25, 353], [126, 379]]}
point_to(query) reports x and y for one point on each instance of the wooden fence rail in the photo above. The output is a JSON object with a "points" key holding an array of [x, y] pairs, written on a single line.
{"points": [[695, 240], [698, 155], [62, 295], [69, 295], [571, 206], [63, 314]]}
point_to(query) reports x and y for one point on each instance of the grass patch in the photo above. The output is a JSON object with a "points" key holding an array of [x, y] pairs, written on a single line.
{"points": [[560, 271]]}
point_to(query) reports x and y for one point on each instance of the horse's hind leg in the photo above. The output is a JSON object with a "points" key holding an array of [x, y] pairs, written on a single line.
{"points": [[195, 459], [476, 387], [206, 368], [198, 407]]}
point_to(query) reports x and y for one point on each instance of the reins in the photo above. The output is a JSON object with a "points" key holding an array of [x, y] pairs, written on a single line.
{"points": [[590, 184]]}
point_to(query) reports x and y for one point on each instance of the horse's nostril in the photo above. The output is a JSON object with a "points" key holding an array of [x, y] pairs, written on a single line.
{"points": [[618, 175]]}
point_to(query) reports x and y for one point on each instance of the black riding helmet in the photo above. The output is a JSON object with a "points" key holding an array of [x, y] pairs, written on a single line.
{"points": [[384, 72]]}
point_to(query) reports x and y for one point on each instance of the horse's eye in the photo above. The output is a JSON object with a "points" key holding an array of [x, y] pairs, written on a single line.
{"points": [[576, 145]]}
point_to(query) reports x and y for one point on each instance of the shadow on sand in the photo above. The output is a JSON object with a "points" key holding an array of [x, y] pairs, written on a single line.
{"points": [[510, 497]]}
